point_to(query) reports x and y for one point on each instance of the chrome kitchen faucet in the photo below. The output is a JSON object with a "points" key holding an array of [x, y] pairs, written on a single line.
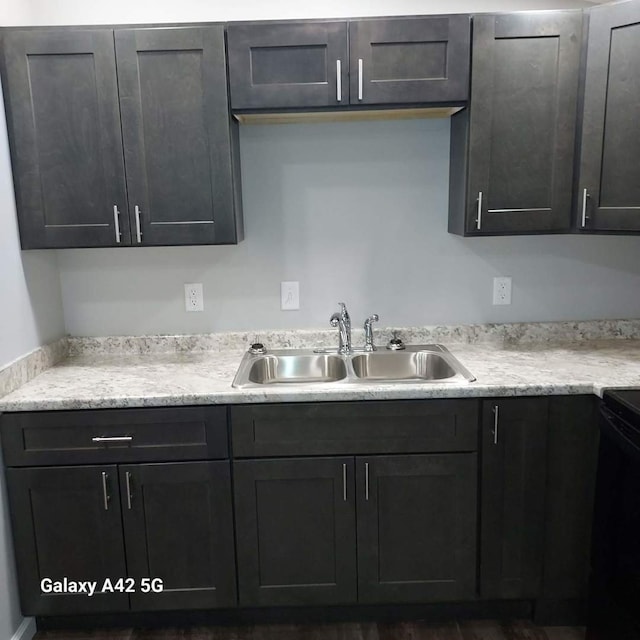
{"points": [[342, 320]]}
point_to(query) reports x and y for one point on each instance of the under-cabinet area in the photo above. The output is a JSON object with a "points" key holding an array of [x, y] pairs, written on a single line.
{"points": [[307, 504], [128, 136]]}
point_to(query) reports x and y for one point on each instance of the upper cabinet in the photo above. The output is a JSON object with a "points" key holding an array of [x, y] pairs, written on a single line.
{"points": [[410, 60], [288, 65], [61, 96], [609, 189], [512, 151], [125, 143], [394, 61]]}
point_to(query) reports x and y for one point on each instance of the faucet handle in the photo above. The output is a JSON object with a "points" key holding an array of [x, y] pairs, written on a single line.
{"points": [[372, 318], [368, 332]]}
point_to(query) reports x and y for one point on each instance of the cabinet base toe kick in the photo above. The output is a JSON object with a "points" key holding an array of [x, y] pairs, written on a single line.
{"points": [[435, 613]]}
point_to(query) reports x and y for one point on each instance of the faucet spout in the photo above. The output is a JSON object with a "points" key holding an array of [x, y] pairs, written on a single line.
{"points": [[342, 320]]}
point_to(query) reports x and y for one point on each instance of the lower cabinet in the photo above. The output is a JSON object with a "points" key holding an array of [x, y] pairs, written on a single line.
{"points": [[452, 501], [132, 494], [416, 527], [167, 521], [415, 518], [514, 456], [67, 524], [178, 526], [295, 531]]}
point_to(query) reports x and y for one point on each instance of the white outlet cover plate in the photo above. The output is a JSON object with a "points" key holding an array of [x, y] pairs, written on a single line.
{"points": [[289, 296], [502, 290], [193, 297]]}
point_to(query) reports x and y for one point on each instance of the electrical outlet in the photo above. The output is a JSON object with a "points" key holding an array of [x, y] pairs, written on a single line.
{"points": [[289, 296], [193, 297], [502, 290]]}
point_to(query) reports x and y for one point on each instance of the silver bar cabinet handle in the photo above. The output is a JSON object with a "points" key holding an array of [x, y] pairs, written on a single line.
{"points": [[479, 218], [360, 79], [112, 439], [138, 229], [495, 410], [585, 196], [105, 491], [127, 476], [344, 482], [116, 222], [366, 481], [339, 80]]}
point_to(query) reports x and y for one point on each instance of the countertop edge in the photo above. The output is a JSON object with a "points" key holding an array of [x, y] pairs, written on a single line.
{"points": [[379, 392]]}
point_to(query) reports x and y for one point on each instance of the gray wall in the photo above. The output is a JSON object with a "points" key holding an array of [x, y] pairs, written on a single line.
{"points": [[355, 212], [29, 283], [123, 11]]}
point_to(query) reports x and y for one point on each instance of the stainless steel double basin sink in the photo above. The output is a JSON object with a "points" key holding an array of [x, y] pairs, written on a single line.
{"points": [[416, 363]]}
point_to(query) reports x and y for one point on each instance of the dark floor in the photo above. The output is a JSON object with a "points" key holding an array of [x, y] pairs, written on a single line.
{"points": [[481, 630]]}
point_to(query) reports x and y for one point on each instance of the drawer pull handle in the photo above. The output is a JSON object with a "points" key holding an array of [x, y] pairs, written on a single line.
{"points": [[116, 222], [105, 491], [344, 482], [366, 481], [585, 197], [494, 431], [138, 226], [128, 478], [112, 439], [339, 80]]}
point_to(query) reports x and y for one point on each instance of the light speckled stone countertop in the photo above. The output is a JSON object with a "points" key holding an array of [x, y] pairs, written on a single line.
{"points": [[163, 379]]}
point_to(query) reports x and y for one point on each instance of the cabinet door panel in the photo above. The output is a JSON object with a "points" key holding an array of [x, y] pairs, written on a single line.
{"points": [[179, 528], [513, 497], [571, 470], [522, 122], [62, 527], [295, 530], [288, 65], [413, 60], [417, 528], [177, 140], [61, 96], [610, 136]]}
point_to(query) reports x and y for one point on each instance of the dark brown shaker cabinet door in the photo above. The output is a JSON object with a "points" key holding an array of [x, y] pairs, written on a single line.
{"points": [[292, 65], [417, 528], [414, 60], [522, 122], [296, 531], [61, 96], [609, 193], [177, 137], [67, 523], [514, 454], [178, 527]]}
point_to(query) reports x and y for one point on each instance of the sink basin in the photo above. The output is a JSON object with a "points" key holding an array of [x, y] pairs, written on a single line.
{"points": [[299, 368], [419, 365]]}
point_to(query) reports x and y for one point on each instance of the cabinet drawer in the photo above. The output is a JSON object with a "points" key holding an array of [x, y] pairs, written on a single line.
{"points": [[139, 435], [354, 427]]}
